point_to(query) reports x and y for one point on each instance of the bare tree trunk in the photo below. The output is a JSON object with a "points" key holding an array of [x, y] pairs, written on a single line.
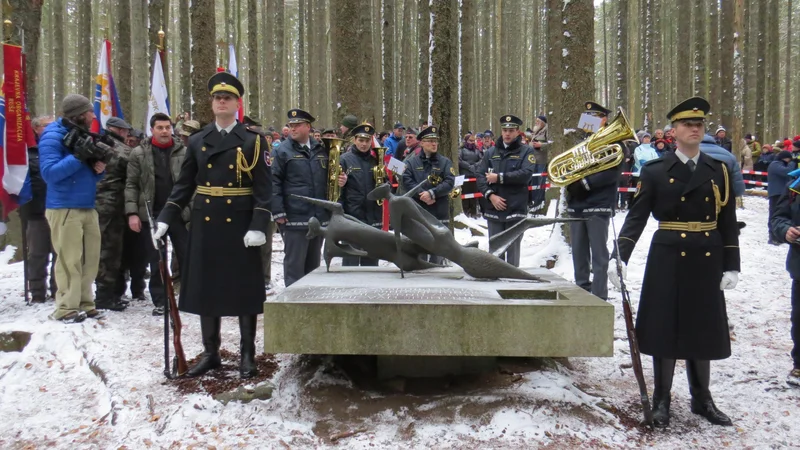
{"points": [[467, 65], [738, 73], [656, 59], [621, 98], [725, 103], [185, 59], [605, 54], [59, 79], [85, 85], [772, 110], [699, 39], [578, 22], [788, 72], [712, 6], [444, 67], [203, 57], [121, 52], [761, 66], [253, 96], [140, 57], [749, 82], [301, 53], [423, 43], [348, 44], [558, 119], [684, 64], [647, 67]]}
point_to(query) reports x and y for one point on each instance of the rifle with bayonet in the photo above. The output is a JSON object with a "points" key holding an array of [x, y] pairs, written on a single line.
{"points": [[171, 315]]}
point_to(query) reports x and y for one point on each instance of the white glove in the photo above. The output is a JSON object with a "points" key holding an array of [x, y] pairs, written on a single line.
{"points": [[161, 230], [612, 273], [254, 239], [729, 280]]}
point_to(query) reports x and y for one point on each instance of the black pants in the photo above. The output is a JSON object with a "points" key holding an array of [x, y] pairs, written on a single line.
{"points": [[39, 250], [300, 255], [511, 255], [135, 257], [266, 254], [796, 323], [179, 237], [773, 202]]}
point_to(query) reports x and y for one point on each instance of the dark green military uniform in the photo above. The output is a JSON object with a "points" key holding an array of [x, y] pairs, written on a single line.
{"points": [[110, 206]]}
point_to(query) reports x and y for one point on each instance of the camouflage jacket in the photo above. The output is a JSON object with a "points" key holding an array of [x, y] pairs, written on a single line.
{"points": [[110, 197], [140, 186]]}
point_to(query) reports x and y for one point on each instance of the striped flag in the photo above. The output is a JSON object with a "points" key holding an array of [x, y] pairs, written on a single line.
{"points": [[159, 97], [234, 70], [106, 100]]}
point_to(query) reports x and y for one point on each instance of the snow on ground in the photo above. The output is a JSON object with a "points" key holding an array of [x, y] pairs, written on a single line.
{"points": [[99, 384]]}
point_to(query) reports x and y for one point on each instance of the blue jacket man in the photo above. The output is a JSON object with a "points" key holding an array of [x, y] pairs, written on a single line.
{"points": [[74, 227], [394, 140], [710, 148]]}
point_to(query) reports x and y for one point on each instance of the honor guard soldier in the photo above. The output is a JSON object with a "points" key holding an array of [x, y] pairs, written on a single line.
{"points": [[503, 178], [300, 167], [693, 257], [227, 167], [358, 176], [594, 198], [437, 173]]}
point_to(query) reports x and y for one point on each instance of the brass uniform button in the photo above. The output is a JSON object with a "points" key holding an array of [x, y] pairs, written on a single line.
{"points": [[683, 235], [230, 166], [230, 184], [239, 148], [683, 199], [683, 253], [708, 217], [209, 166], [228, 219], [203, 149], [706, 198], [708, 253], [672, 180], [208, 219], [707, 234], [229, 202], [208, 183], [208, 201]]}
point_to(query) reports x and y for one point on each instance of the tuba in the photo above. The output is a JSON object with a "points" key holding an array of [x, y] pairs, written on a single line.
{"points": [[379, 171], [334, 168], [599, 152]]}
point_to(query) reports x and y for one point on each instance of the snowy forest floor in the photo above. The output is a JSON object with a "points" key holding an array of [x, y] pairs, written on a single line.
{"points": [[99, 384]]}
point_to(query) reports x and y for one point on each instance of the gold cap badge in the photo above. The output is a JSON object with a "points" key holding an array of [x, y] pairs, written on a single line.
{"points": [[433, 129], [508, 118], [294, 113]]}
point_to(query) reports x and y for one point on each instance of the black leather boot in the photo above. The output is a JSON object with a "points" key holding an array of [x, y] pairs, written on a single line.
{"points": [[663, 369], [209, 328], [247, 328], [699, 373]]}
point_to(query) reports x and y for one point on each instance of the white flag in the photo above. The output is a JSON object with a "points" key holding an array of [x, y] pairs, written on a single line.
{"points": [[159, 97], [232, 67]]}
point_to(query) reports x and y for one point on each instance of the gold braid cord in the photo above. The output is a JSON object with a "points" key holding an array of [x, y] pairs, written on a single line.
{"points": [[241, 162], [721, 203]]}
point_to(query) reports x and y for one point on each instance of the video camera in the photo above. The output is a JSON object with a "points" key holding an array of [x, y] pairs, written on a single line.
{"points": [[88, 147]]}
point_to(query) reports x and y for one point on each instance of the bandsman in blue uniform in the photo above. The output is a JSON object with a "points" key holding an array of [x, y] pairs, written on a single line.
{"points": [[503, 175], [358, 166], [226, 176], [693, 257]]}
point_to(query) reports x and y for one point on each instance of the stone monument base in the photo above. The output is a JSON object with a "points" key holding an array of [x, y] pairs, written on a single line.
{"points": [[435, 313]]}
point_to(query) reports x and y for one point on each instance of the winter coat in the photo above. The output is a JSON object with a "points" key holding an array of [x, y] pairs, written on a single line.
{"points": [[747, 156], [514, 166], [360, 181], [720, 154], [468, 160], [34, 209], [778, 177], [724, 143], [642, 154], [595, 194], [70, 182], [391, 144], [111, 189], [301, 172], [785, 216], [417, 170], [140, 184]]}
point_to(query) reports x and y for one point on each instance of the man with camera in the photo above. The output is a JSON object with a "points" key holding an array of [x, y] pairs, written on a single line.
{"points": [[72, 163]]}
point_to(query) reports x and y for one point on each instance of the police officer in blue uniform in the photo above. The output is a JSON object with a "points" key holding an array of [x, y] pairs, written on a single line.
{"points": [[226, 176], [504, 175], [300, 166]]}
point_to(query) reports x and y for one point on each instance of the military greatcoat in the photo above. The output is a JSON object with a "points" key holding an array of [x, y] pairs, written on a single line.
{"points": [[222, 277], [682, 309]]}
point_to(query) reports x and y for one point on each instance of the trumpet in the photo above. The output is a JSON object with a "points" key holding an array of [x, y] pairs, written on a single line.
{"points": [[379, 171], [334, 168], [455, 193]]}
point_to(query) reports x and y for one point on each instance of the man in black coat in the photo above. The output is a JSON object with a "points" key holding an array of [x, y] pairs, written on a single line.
{"points": [[300, 166], [358, 167], [785, 223], [693, 256], [504, 175], [592, 197], [227, 167]]}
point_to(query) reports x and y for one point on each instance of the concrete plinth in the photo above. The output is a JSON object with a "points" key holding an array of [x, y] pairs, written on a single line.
{"points": [[439, 312]]}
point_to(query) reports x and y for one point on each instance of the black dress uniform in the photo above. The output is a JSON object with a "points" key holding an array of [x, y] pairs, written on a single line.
{"points": [[359, 167], [514, 164], [300, 169], [682, 308], [226, 176], [438, 173]]}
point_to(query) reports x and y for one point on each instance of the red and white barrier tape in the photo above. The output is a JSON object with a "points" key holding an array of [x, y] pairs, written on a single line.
{"points": [[755, 183], [754, 172]]}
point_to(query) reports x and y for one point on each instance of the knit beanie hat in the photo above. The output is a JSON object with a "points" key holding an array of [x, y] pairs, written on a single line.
{"points": [[720, 128], [542, 118], [74, 105]]}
